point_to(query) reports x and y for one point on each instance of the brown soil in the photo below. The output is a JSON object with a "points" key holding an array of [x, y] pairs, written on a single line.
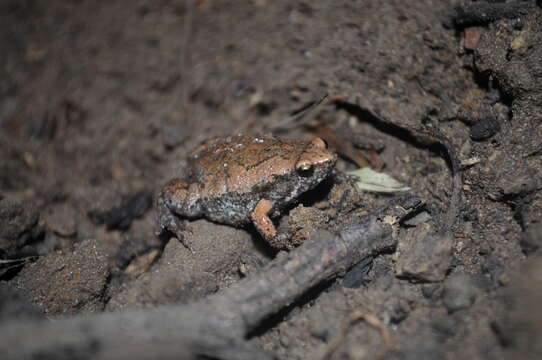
{"points": [[101, 101]]}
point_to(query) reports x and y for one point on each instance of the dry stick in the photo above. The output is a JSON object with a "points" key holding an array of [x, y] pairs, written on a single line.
{"points": [[214, 327], [452, 213]]}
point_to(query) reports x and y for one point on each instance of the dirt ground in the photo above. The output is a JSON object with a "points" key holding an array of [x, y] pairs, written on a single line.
{"points": [[100, 103]]}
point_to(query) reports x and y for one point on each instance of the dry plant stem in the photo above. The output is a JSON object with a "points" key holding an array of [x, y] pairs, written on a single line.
{"points": [[215, 327], [452, 213], [289, 122], [293, 121]]}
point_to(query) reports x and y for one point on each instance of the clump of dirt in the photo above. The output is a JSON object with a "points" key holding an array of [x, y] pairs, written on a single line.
{"points": [[64, 283]]}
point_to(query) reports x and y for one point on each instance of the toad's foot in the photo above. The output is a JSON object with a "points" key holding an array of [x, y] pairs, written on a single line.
{"points": [[168, 222], [264, 225]]}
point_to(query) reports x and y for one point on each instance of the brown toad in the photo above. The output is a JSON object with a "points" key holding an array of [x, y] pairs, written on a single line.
{"points": [[241, 179]]}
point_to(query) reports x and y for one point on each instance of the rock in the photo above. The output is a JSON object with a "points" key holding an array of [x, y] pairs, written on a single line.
{"points": [[19, 225], [423, 255], [520, 180], [484, 129], [67, 282], [459, 292]]}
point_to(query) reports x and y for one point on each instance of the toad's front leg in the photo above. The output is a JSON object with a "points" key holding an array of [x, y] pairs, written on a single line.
{"points": [[264, 225]]}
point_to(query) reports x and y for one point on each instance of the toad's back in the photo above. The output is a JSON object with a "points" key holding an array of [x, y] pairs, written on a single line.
{"points": [[238, 163]]}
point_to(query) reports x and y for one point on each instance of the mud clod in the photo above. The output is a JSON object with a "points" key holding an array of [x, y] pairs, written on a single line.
{"points": [[63, 283], [424, 255]]}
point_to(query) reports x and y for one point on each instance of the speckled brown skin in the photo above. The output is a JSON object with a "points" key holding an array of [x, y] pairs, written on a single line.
{"points": [[240, 179]]}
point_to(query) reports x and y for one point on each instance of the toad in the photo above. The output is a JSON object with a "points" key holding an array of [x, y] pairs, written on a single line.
{"points": [[240, 179]]}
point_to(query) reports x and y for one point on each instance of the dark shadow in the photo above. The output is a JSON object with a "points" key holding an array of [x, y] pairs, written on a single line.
{"points": [[276, 319]]}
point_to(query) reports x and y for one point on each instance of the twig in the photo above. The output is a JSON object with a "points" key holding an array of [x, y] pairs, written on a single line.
{"points": [[457, 182], [293, 120], [214, 327]]}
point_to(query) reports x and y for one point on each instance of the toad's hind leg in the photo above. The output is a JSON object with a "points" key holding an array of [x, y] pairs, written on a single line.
{"points": [[168, 220], [264, 225]]}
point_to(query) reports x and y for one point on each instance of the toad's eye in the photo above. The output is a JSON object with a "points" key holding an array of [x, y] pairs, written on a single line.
{"points": [[305, 169]]}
